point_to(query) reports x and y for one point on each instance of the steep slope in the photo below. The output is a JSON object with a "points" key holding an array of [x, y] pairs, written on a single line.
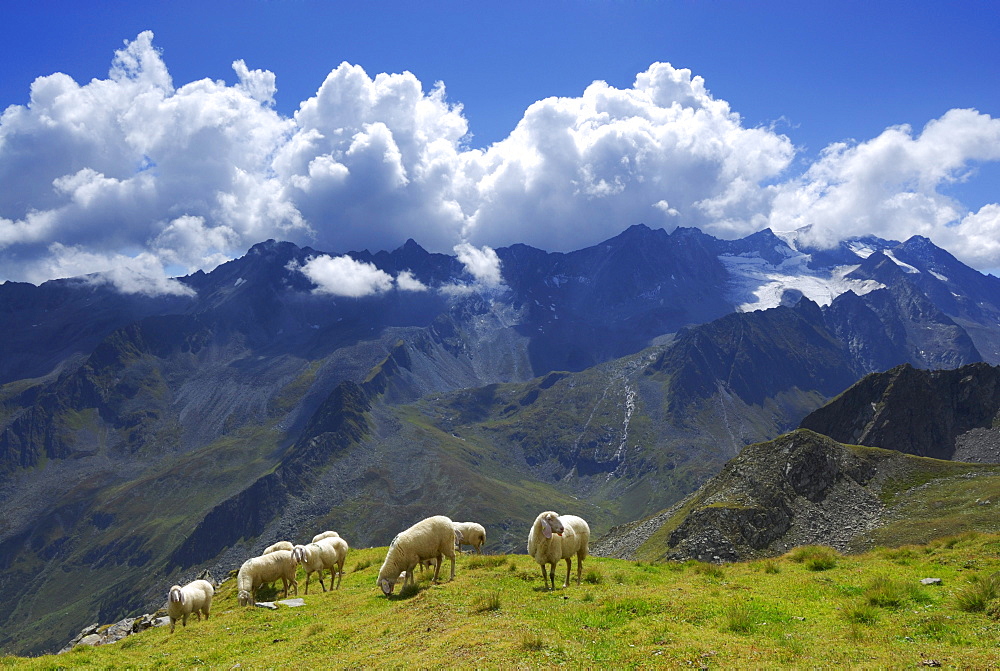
{"points": [[946, 414], [799, 489]]}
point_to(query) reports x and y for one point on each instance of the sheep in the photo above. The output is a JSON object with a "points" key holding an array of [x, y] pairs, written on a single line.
{"points": [[280, 545], [256, 571], [430, 538], [194, 597], [425, 564], [328, 553], [554, 537], [470, 533], [325, 534]]}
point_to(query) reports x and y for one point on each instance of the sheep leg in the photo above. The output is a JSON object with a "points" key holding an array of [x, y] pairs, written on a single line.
{"points": [[569, 566], [579, 568], [452, 567], [340, 574], [437, 567]]}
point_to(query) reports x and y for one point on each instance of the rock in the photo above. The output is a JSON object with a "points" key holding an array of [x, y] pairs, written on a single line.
{"points": [[266, 604], [90, 639], [931, 581], [293, 603]]}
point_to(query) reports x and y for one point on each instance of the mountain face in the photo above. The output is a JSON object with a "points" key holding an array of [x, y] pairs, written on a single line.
{"points": [[945, 414], [799, 489], [144, 439]]}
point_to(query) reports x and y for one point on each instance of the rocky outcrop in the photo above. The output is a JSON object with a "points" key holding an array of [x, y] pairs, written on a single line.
{"points": [[945, 414], [799, 489]]}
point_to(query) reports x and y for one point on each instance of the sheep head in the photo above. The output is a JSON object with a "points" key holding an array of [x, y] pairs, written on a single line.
{"points": [[386, 586], [551, 524], [176, 594], [245, 598]]}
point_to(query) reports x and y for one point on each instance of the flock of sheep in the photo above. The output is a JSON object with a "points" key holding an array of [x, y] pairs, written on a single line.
{"points": [[552, 538]]}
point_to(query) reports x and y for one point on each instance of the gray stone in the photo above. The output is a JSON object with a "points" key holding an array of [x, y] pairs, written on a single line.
{"points": [[266, 604], [931, 581], [293, 603], [90, 639]]}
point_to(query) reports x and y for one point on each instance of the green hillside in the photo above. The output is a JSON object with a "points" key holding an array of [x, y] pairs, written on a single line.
{"points": [[807, 609]]}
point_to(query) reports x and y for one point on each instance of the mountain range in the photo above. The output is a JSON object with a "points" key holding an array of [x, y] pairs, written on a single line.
{"points": [[145, 438]]}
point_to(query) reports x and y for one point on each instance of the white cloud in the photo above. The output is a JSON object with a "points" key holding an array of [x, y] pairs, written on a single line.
{"points": [[483, 264], [891, 185], [141, 274], [195, 174], [344, 276], [407, 282]]}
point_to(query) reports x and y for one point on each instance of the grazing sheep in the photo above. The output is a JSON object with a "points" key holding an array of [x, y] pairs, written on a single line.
{"points": [[425, 564], [280, 545], [328, 553], [256, 571], [472, 533], [554, 537], [325, 534], [431, 538], [195, 597]]}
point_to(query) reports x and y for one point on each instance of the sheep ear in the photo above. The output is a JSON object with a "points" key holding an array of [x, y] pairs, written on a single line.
{"points": [[546, 528]]}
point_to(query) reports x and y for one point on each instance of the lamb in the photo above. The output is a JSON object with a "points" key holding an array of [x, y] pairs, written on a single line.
{"points": [[325, 534], [328, 553], [430, 538], [194, 597], [256, 571], [280, 545], [472, 533], [571, 537]]}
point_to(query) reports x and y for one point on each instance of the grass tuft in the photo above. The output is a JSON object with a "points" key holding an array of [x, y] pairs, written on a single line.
{"points": [[885, 592], [863, 613], [486, 561], [815, 557], [532, 642], [741, 618], [977, 595], [707, 569], [488, 602]]}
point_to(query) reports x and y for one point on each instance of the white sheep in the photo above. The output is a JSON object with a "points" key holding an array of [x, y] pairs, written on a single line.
{"points": [[280, 545], [328, 553], [431, 538], [324, 534], [425, 564], [256, 571], [470, 533], [553, 538], [195, 597]]}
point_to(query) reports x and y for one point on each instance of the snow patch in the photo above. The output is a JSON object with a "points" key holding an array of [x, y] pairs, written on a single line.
{"points": [[906, 267], [756, 284]]}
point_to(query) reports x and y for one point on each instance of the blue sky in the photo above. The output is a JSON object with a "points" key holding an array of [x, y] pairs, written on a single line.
{"points": [[764, 90]]}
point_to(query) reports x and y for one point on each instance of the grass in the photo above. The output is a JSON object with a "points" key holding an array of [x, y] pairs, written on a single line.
{"points": [[815, 557], [866, 611]]}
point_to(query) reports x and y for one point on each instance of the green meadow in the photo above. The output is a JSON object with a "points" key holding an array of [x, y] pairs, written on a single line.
{"points": [[810, 608]]}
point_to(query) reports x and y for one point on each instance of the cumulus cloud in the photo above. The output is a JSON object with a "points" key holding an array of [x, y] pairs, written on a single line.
{"points": [[892, 185], [344, 276], [407, 282], [140, 274], [194, 174], [483, 264]]}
